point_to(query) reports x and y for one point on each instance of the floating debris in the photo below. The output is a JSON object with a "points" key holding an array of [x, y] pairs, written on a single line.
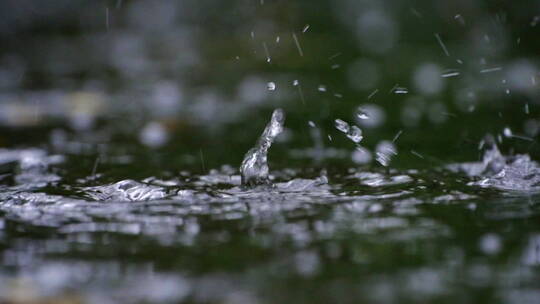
{"points": [[271, 86], [254, 168], [306, 27], [322, 88]]}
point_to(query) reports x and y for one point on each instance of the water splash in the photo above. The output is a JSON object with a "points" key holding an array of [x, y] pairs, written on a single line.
{"points": [[384, 152], [355, 134], [125, 190], [342, 126], [492, 160], [516, 172], [352, 132], [29, 167], [254, 168]]}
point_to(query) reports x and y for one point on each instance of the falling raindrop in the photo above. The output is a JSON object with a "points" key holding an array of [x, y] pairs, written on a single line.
{"points": [[384, 152], [450, 73]]}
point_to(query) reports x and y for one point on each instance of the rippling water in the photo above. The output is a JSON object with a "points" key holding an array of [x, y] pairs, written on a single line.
{"points": [[123, 125], [380, 235]]}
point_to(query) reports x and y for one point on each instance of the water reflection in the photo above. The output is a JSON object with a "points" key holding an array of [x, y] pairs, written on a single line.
{"points": [[117, 118], [203, 238]]}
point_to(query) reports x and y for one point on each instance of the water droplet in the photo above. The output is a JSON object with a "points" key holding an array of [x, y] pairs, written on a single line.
{"points": [[154, 135], [401, 90], [361, 155], [342, 126], [361, 114], [254, 168], [426, 79], [507, 132], [370, 116], [355, 134], [490, 244], [384, 152]]}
